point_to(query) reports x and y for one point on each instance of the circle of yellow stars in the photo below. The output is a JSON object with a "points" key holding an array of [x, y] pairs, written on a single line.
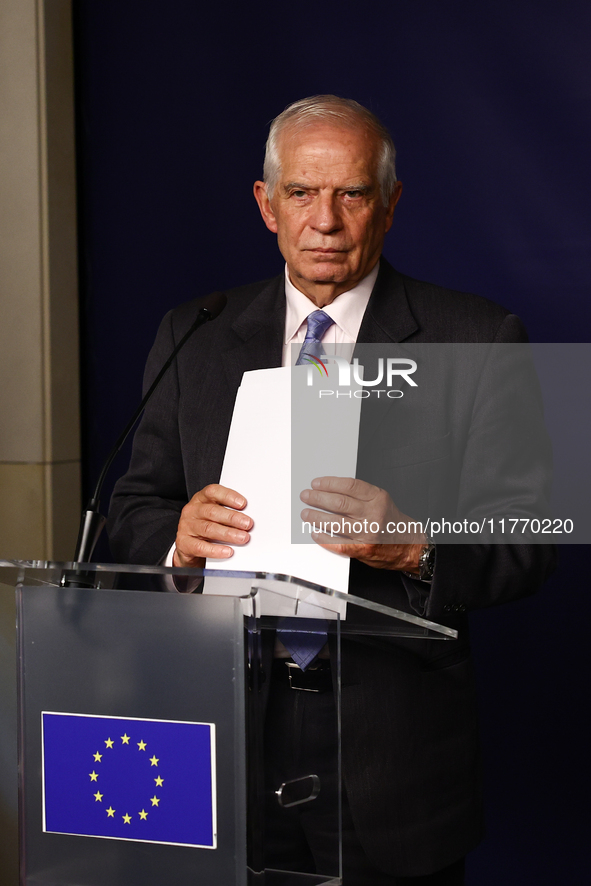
{"points": [[98, 797]]}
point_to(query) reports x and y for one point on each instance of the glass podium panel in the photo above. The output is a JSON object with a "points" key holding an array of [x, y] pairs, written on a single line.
{"points": [[202, 769], [113, 691]]}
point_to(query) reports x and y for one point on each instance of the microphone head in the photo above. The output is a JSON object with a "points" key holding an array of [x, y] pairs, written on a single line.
{"points": [[214, 304]]}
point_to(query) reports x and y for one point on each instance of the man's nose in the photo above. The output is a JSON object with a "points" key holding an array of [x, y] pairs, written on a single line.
{"points": [[326, 217]]}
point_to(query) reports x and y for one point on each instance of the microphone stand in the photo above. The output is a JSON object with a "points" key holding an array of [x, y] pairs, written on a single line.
{"points": [[92, 522]]}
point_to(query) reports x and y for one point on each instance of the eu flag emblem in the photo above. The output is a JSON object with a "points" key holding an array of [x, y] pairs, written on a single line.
{"points": [[129, 779]]}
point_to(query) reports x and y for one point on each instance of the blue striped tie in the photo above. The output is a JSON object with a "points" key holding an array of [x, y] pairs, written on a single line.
{"points": [[301, 636], [318, 323]]}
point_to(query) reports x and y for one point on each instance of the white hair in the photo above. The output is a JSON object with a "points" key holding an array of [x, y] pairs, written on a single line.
{"points": [[330, 108]]}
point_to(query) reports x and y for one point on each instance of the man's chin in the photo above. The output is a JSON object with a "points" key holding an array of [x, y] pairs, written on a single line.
{"points": [[326, 272]]}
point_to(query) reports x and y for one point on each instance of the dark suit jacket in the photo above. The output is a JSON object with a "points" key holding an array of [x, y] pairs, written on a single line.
{"points": [[410, 744]]}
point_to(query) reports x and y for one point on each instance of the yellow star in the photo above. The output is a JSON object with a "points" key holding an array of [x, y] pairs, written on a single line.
{"points": [[98, 757], [109, 742], [141, 745], [155, 800], [154, 761], [110, 812], [125, 738], [159, 782], [126, 818], [98, 796], [93, 775], [143, 815]]}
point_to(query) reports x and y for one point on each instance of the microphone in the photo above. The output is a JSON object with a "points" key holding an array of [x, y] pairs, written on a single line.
{"points": [[92, 522]]}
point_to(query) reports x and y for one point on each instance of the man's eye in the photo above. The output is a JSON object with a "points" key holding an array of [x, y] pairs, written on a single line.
{"points": [[354, 193], [298, 193]]}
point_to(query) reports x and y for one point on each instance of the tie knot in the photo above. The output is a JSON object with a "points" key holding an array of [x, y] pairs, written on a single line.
{"points": [[318, 323]]}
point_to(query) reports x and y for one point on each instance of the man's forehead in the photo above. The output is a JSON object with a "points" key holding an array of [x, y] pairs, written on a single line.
{"points": [[328, 144]]}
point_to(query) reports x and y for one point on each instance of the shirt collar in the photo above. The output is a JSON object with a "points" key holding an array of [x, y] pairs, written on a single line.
{"points": [[346, 310]]}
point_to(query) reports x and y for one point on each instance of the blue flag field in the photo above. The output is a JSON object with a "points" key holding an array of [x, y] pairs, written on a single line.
{"points": [[129, 779]]}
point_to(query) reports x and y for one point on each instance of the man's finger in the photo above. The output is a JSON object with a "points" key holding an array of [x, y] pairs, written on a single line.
{"points": [[334, 502], [192, 552], [223, 495], [199, 547], [197, 511], [214, 531], [357, 489], [346, 527]]}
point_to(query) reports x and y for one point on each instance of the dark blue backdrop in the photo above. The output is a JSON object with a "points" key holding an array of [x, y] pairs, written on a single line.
{"points": [[489, 106]]}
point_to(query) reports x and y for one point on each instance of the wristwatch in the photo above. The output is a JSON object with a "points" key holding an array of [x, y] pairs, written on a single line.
{"points": [[426, 564]]}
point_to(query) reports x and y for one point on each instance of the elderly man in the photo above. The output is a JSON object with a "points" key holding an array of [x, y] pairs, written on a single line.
{"points": [[412, 805]]}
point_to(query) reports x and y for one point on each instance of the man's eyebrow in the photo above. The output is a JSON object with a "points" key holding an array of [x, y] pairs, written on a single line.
{"points": [[299, 186], [296, 186], [365, 188]]}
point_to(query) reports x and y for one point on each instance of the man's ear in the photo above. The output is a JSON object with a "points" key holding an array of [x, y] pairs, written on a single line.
{"points": [[392, 205], [260, 195]]}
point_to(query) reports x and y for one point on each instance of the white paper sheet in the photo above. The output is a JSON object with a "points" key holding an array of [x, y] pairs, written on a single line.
{"points": [[258, 464]]}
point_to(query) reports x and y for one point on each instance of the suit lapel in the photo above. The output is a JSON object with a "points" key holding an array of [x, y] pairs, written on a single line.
{"points": [[260, 329], [388, 317]]}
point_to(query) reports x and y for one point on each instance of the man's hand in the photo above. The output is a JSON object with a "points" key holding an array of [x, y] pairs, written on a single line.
{"points": [[209, 524], [373, 529]]}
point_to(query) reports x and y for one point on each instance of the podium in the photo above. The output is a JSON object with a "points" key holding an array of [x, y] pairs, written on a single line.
{"points": [[143, 736]]}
